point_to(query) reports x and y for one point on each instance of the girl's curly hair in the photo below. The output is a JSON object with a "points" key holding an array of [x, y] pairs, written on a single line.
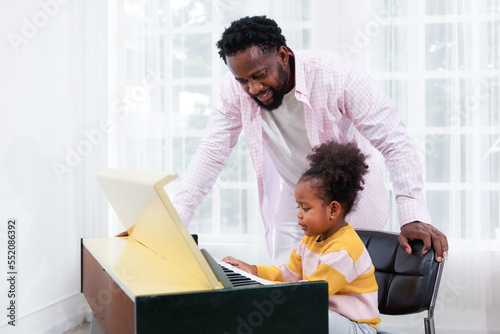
{"points": [[336, 172], [250, 31]]}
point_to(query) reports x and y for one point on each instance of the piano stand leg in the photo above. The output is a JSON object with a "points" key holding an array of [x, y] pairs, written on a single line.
{"points": [[95, 326]]}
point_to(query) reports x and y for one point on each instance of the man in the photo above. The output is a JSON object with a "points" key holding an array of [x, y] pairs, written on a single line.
{"points": [[287, 103]]}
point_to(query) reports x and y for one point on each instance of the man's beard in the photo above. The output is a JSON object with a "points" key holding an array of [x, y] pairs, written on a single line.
{"points": [[278, 94]]}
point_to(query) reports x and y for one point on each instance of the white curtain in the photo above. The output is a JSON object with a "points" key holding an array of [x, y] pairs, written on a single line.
{"points": [[438, 60], [169, 79]]}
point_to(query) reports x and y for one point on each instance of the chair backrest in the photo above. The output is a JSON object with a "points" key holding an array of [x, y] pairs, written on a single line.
{"points": [[407, 283]]}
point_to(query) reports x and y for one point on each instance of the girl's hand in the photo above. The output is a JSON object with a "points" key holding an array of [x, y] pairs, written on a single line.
{"points": [[241, 265]]}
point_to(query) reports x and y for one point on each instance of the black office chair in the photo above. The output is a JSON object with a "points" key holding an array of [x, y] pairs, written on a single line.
{"points": [[407, 283]]}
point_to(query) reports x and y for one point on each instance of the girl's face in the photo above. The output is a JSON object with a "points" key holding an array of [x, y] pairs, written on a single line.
{"points": [[315, 216]]}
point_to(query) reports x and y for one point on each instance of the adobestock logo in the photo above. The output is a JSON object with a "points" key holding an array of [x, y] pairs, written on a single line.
{"points": [[31, 26]]}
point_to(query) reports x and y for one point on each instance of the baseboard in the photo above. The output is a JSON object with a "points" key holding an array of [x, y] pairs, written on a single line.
{"points": [[406, 330], [55, 318], [414, 323], [82, 313]]}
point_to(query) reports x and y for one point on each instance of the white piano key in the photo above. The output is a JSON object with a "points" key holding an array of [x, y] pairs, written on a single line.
{"points": [[244, 273]]}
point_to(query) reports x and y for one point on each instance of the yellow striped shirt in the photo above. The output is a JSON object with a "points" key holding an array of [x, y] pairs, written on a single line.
{"points": [[343, 261]]}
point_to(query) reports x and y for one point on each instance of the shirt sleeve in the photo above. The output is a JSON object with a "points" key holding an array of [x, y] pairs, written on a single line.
{"points": [[291, 272], [378, 120], [223, 130], [270, 273]]}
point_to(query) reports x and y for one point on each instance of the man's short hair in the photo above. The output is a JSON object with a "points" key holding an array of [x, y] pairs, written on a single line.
{"points": [[250, 31]]}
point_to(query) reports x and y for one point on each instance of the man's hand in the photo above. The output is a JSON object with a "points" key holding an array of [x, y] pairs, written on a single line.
{"points": [[122, 234], [241, 265], [430, 235]]}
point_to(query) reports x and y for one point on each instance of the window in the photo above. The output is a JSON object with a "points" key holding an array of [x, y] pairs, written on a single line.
{"points": [[171, 76], [439, 62]]}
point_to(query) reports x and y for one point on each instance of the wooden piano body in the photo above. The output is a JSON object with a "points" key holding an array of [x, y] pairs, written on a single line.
{"points": [[156, 280], [131, 293]]}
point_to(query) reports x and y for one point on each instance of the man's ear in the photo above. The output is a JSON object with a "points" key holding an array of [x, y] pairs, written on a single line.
{"points": [[283, 55], [335, 209]]}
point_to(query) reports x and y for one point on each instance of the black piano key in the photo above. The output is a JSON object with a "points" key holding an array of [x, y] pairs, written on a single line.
{"points": [[238, 279]]}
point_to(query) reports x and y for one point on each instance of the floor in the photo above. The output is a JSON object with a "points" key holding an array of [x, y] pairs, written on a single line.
{"points": [[80, 329]]}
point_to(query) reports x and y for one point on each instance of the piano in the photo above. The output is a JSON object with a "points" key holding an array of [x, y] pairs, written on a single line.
{"points": [[156, 280]]}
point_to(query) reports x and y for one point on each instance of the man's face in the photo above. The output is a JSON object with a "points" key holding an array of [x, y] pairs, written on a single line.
{"points": [[263, 76]]}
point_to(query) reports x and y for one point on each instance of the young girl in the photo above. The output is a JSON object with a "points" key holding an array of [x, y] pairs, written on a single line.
{"points": [[331, 250]]}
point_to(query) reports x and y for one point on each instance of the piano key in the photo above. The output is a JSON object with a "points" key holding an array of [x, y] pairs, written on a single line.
{"points": [[238, 279], [237, 276]]}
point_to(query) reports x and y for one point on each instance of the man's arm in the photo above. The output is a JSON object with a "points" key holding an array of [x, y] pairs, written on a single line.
{"points": [[378, 120]]}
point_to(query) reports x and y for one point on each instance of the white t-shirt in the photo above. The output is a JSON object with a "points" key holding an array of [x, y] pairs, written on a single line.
{"points": [[284, 134]]}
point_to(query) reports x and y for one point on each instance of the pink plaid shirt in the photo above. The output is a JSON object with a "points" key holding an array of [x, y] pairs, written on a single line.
{"points": [[342, 103]]}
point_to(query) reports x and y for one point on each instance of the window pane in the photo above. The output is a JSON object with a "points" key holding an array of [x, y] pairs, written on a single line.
{"points": [[223, 69], [490, 44], [150, 159], [490, 158], [446, 47], [489, 6], [158, 103], [192, 56], [305, 10], [438, 158], [438, 203], [444, 102], [397, 90], [191, 106], [142, 21], [486, 96], [233, 211], [238, 167], [135, 16], [466, 159], [231, 10], [155, 60], [134, 58], [443, 7], [299, 12], [183, 150], [191, 12], [490, 226], [202, 220], [155, 13], [239, 211], [390, 47], [144, 142], [390, 7], [465, 226], [298, 39]]}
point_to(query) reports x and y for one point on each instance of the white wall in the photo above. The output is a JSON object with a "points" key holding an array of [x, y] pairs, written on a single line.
{"points": [[47, 112]]}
